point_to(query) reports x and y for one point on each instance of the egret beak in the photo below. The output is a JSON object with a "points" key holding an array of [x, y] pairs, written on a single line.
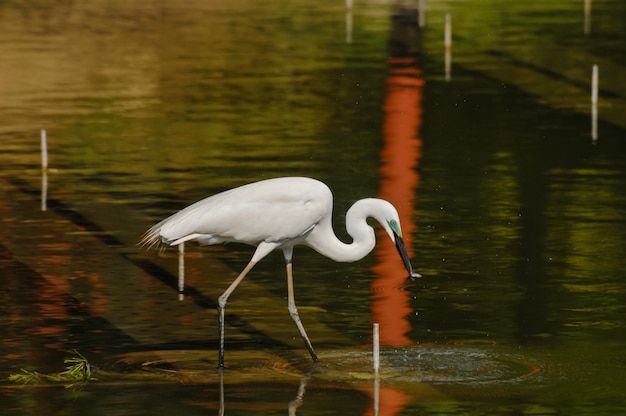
{"points": [[405, 257]]}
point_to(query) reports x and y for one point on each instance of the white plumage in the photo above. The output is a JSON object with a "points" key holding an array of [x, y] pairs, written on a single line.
{"points": [[279, 213]]}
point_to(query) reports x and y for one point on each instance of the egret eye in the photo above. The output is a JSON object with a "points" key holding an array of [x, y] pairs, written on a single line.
{"points": [[395, 227]]}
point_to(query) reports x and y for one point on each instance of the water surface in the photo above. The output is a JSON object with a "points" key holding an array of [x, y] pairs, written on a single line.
{"points": [[512, 214]]}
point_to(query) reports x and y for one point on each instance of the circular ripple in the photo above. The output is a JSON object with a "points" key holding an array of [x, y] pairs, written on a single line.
{"points": [[423, 364], [428, 364], [199, 365]]}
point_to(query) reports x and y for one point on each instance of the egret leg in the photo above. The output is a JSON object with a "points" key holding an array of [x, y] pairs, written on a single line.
{"points": [[293, 311], [221, 305]]}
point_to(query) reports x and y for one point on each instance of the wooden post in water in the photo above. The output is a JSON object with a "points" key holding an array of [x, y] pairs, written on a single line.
{"points": [[348, 22], [594, 103], [376, 349], [44, 150], [421, 13], [376, 395], [447, 40], [44, 171], [587, 18]]}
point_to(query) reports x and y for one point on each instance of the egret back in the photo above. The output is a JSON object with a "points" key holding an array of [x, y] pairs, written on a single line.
{"points": [[281, 210]]}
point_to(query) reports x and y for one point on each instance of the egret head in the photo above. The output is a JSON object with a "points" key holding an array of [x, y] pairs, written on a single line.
{"points": [[387, 216]]}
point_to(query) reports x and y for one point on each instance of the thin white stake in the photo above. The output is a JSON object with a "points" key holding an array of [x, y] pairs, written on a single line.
{"points": [[376, 349], [421, 13], [349, 27], [587, 18], [44, 171], [376, 395], [181, 270], [594, 103], [349, 4], [448, 46], [44, 189], [44, 150]]}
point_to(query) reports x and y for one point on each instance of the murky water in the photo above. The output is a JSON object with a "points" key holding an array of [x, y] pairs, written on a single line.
{"points": [[512, 214]]}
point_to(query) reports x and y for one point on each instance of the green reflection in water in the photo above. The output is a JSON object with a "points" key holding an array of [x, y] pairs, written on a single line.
{"points": [[152, 105]]}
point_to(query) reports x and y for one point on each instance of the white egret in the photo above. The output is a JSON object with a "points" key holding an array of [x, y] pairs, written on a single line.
{"points": [[274, 214]]}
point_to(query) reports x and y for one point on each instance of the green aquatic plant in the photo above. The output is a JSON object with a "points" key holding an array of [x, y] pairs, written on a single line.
{"points": [[77, 373]]}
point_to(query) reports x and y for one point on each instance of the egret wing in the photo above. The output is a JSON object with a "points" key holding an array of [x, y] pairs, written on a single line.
{"points": [[272, 211]]}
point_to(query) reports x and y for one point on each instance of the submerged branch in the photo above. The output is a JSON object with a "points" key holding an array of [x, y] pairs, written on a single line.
{"points": [[76, 374]]}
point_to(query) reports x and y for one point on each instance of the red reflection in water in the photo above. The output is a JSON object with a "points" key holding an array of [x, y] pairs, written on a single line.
{"points": [[399, 157], [390, 402]]}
